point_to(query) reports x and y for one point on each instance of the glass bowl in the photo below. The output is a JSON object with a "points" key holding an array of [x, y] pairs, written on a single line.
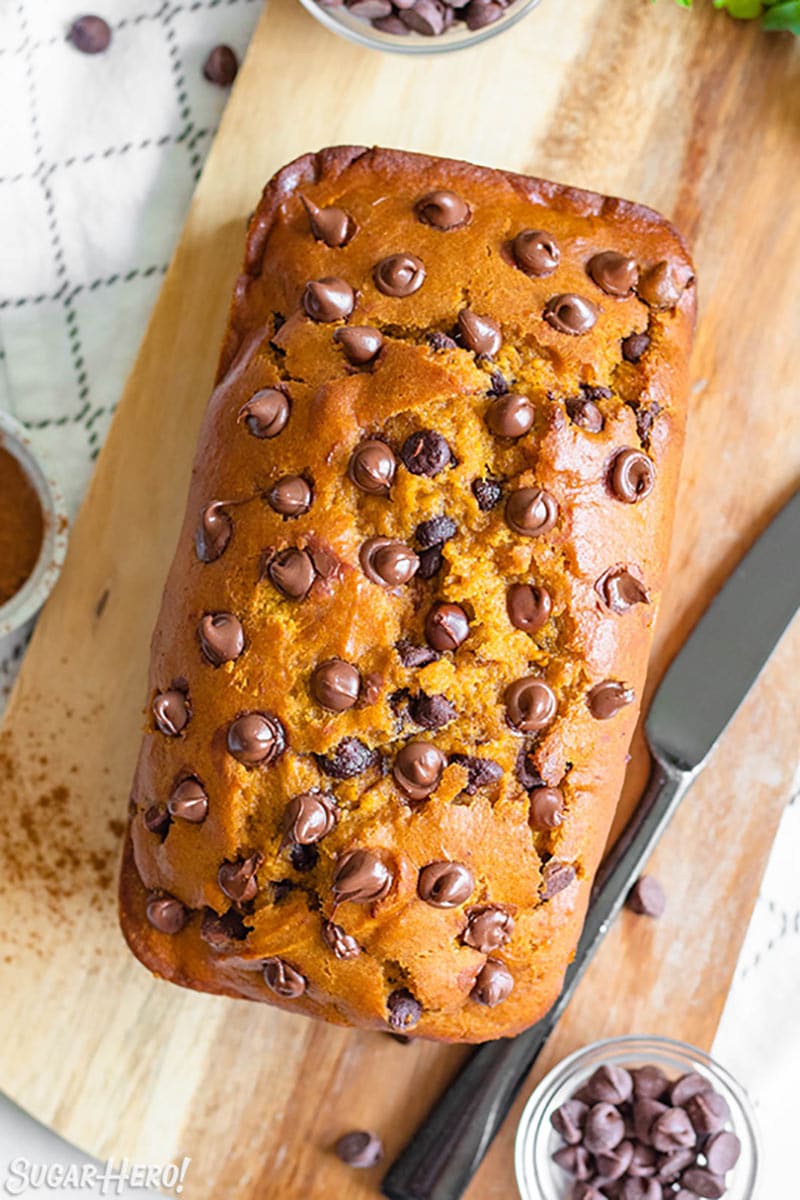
{"points": [[339, 20], [539, 1178]]}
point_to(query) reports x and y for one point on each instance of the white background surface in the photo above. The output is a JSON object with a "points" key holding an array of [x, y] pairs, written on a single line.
{"points": [[98, 161]]}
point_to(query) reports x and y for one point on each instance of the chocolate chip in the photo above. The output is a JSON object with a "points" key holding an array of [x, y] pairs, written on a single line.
{"points": [[708, 1112], [644, 1162], [570, 314], [479, 13], [546, 808], [631, 476], [493, 984], [536, 252], [662, 284], [265, 414], [446, 626], [280, 889], [604, 1128], [431, 712], [399, 275], [157, 820], [350, 758], [292, 572], [166, 914], [417, 769], [443, 210], [510, 416], [647, 897], [435, 531], [309, 817], [404, 1009], [644, 1114], [525, 769], [638, 1188], [342, 944], [620, 590], [290, 496], [569, 1119], [612, 1164], [221, 638], [556, 877], [213, 533], [361, 343], [256, 738], [610, 1084], [722, 1151], [528, 607], [427, 17], [445, 884], [237, 879], [431, 562], [387, 562], [303, 858], [328, 299], [487, 492], [397, 28], [188, 801], [361, 876], [614, 273], [645, 416], [583, 1190], [481, 772], [674, 1163], [575, 1160], [530, 704], [606, 699], [585, 413], [488, 929], [335, 685], [672, 1130], [172, 712], [90, 34], [283, 979], [359, 1149], [634, 346], [703, 1182], [440, 341], [687, 1086], [372, 467], [481, 335], [219, 932], [221, 66], [426, 453], [330, 225], [531, 511], [649, 1082], [415, 656]]}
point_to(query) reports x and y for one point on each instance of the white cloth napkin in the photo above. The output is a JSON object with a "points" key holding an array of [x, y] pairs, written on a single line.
{"points": [[98, 159]]}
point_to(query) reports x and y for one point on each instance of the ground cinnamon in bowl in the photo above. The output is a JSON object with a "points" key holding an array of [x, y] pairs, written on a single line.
{"points": [[21, 526]]}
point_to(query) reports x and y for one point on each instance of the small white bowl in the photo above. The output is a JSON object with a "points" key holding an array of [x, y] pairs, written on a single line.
{"points": [[19, 612]]}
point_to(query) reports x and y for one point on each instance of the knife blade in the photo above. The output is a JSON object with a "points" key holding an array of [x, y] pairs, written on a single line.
{"points": [[700, 693]]}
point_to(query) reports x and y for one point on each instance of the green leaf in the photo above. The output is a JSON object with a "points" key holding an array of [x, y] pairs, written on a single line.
{"points": [[784, 16]]}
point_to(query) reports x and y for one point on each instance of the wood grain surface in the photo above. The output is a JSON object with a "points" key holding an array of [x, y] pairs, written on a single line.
{"points": [[691, 113]]}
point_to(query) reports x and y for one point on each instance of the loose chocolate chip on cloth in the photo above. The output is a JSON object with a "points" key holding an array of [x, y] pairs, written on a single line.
{"points": [[221, 66], [90, 34]]}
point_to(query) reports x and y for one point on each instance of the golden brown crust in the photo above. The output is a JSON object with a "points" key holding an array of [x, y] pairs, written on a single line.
{"points": [[406, 943]]}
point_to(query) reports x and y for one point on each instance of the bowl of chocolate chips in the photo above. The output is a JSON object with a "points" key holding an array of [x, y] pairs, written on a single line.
{"points": [[418, 26], [638, 1118]]}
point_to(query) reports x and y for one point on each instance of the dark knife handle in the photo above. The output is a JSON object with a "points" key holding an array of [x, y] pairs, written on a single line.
{"points": [[448, 1148]]}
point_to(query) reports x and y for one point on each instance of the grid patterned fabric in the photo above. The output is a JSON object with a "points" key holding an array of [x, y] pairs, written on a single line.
{"points": [[98, 160]]}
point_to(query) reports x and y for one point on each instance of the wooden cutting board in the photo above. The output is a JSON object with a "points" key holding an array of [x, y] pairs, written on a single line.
{"points": [[689, 112]]}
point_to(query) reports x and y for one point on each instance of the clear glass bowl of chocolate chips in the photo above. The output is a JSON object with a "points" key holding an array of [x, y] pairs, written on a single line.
{"points": [[638, 1118], [418, 26]]}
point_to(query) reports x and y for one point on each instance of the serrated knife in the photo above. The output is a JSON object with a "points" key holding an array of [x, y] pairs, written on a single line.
{"points": [[698, 697]]}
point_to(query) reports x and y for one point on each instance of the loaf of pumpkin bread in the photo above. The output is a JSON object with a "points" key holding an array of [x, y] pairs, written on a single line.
{"points": [[403, 642]]}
